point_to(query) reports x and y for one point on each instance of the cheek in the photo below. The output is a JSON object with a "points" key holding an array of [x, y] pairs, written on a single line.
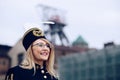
{"points": [[49, 50], [36, 51]]}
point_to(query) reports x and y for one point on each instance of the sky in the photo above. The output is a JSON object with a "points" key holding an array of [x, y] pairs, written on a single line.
{"points": [[97, 21]]}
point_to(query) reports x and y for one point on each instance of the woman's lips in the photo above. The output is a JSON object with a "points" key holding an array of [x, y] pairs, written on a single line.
{"points": [[44, 53]]}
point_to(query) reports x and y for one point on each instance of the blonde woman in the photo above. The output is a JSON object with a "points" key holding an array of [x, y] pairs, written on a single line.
{"points": [[39, 60]]}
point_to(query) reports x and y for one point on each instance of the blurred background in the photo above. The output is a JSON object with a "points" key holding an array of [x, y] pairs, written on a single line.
{"points": [[85, 34]]}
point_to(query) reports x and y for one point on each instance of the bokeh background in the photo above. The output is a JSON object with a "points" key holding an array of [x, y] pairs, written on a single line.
{"points": [[83, 31]]}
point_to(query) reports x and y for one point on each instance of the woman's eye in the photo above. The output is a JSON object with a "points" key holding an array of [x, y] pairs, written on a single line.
{"points": [[48, 45], [41, 45]]}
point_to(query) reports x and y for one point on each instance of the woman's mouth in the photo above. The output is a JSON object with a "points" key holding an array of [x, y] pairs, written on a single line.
{"points": [[44, 53]]}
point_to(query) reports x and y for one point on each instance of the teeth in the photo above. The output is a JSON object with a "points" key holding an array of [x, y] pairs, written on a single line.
{"points": [[43, 54]]}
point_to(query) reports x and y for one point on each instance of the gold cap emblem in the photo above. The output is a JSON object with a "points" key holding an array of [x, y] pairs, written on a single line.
{"points": [[38, 33]]}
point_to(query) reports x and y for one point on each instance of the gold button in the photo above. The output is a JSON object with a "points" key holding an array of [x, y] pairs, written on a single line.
{"points": [[42, 71], [45, 76]]}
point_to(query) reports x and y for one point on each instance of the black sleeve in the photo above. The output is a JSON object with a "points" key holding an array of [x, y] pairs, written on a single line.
{"points": [[9, 75]]}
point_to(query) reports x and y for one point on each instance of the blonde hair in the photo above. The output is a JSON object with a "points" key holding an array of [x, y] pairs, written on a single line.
{"points": [[28, 62]]}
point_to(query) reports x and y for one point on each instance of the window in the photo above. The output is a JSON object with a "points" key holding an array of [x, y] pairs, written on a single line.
{"points": [[20, 58]]}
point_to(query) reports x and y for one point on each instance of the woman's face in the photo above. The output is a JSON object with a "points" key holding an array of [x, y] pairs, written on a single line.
{"points": [[41, 50]]}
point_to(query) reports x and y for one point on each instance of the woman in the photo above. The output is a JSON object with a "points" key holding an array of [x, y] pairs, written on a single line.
{"points": [[39, 61]]}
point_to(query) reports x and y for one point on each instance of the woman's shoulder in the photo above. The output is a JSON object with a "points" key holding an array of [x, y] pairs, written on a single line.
{"points": [[13, 69], [11, 72], [17, 71]]}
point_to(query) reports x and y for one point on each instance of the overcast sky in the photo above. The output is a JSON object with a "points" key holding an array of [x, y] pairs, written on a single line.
{"points": [[97, 21]]}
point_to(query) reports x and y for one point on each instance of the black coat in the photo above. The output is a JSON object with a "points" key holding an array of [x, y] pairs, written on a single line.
{"points": [[18, 73]]}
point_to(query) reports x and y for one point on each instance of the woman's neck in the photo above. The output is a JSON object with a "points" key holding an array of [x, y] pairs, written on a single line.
{"points": [[39, 62]]}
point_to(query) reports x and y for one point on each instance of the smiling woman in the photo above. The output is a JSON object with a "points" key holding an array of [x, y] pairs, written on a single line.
{"points": [[39, 61]]}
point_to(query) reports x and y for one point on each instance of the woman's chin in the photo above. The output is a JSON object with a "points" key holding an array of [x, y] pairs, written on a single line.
{"points": [[44, 58]]}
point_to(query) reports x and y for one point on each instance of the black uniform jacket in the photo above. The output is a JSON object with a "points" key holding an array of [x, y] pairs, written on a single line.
{"points": [[18, 73]]}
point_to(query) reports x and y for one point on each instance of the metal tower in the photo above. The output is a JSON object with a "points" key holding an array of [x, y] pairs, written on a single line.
{"points": [[56, 28]]}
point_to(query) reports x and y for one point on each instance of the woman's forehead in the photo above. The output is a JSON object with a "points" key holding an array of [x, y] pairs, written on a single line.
{"points": [[40, 41]]}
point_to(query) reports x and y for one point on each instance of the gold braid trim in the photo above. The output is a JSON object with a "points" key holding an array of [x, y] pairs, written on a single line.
{"points": [[7, 78], [11, 77]]}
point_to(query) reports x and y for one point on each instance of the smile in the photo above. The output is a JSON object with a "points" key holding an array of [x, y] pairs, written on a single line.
{"points": [[44, 53]]}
